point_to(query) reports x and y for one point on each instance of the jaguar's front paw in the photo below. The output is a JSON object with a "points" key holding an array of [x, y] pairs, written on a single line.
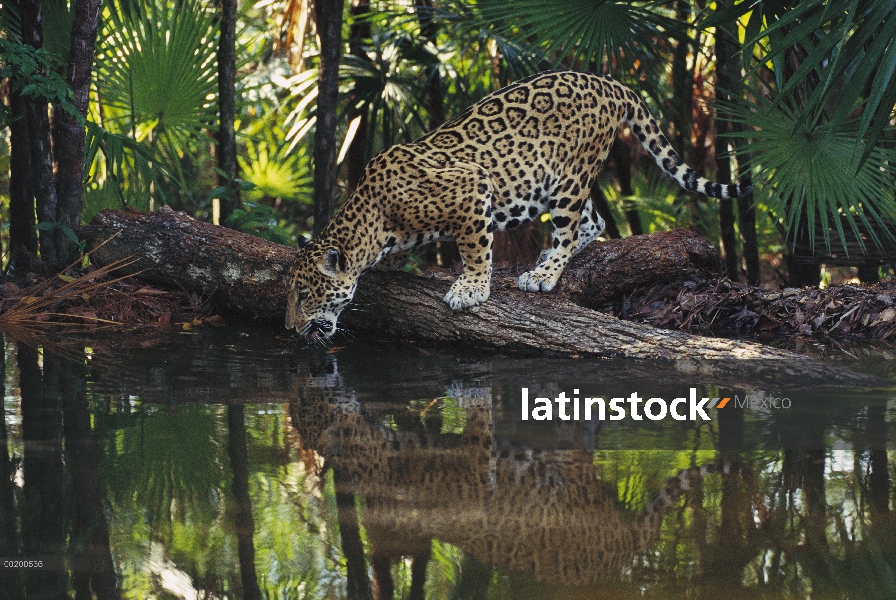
{"points": [[533, 281], [464, 294]]}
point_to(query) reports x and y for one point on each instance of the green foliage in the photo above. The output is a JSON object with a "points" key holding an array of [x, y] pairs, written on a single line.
{"points": [[156, 83], [34, 72], [389, 88], [158, 71], [57, 26], [67, 231], [819, 171], [470, 46], [274, 173], [849, 63], [597, 35], [261, 221], [127, 165]]}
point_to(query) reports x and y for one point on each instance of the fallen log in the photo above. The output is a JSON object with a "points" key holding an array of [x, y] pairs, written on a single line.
{"points": [[606, 271], [243, 275]]}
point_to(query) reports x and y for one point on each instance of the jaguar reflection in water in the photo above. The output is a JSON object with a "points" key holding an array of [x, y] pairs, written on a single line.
{"points": [[232, 461]]}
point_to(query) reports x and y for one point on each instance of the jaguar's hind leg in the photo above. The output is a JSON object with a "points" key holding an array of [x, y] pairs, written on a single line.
{"points": [[591, 226], [566, 216]]}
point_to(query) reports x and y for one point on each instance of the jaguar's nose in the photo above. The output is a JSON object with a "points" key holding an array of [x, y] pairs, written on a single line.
{"points": [[320, 326]]}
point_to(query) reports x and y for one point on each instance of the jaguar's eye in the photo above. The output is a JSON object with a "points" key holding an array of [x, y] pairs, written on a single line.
{"points": [[302, 295]]}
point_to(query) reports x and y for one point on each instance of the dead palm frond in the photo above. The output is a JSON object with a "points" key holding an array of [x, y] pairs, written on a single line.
{"points": [[25, 316]]}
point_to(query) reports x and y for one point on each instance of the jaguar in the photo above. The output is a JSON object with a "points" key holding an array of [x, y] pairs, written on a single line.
{"points": [[531, 148]]}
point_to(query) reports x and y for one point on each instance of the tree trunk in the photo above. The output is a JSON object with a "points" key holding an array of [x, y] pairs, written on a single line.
{"points": [[227, 107], [443, 253], [356, 157], [329, 25], [682, 86], [435, 100], [746, 215], [41, 155], [803, 270], [244, 275], [802, 267], [622, 159], [69, 137], [22, 235], [727, 74]]}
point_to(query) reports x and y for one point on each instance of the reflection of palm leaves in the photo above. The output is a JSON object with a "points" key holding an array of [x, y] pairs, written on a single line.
{"points": [[168, 466], [157, 68]]}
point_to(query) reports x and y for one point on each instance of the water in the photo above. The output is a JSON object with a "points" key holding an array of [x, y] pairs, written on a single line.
{"points": [[237, 464]]}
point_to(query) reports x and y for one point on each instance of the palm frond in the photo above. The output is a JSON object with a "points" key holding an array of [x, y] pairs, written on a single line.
{"points": [[817, 172], [157, 67], [849, 60], [275, 172], [599, 35]]}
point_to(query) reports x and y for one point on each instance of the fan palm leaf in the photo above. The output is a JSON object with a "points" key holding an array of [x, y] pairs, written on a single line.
{"points": [[600, 35], [850, 47], [275, 172], [389, 88], [157, 67], [815, 172]]}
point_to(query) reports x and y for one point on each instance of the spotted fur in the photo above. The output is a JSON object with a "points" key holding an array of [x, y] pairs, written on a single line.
{"points": [[533, 147], [541, 511]]}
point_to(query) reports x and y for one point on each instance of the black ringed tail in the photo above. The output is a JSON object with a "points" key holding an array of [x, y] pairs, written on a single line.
{"points": [[648, 132]]}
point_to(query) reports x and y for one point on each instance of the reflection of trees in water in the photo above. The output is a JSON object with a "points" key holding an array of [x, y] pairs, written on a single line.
{"points": [[757, 529], [90, 533], [243, 522], [43, 504], [208, 486], [60, 511], [10, 581]]}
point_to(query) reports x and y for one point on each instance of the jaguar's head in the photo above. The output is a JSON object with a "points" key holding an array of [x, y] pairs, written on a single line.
{"points": [[319, 286]]}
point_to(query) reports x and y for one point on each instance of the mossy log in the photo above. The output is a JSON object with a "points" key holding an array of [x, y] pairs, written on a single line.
{"points": [[243, 276]]}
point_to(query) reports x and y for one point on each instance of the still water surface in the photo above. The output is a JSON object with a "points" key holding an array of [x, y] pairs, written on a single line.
{"points": [[237, 464]]}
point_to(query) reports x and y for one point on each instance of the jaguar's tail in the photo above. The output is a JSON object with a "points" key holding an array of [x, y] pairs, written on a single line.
{"points": [[651, 519], [647, 130]]}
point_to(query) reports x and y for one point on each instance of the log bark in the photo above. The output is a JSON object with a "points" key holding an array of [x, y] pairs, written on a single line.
{"points": [[605, 271], [243, 275]]}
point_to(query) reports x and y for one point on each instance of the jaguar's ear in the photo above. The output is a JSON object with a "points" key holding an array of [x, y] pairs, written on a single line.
{"points": [[334, 260]]}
